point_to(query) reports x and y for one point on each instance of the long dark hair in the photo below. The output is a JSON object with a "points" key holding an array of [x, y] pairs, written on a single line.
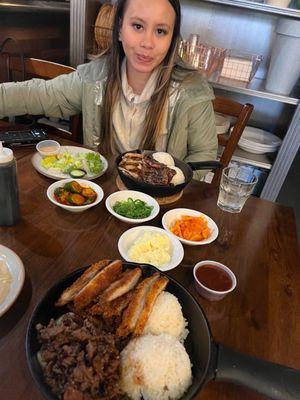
{"points": [[159, 98]]}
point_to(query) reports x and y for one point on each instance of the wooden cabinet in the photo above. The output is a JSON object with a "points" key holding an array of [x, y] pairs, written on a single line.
{"points": [[41, 30]]}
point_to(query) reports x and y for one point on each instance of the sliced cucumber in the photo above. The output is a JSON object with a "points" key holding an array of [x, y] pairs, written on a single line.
{"points": [[77, 173]]}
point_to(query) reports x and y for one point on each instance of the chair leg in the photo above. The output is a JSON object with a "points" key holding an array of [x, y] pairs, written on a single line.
{"points": [[217, 177]]}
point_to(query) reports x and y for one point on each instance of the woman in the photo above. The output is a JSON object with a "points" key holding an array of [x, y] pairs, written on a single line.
{"points": [[139, 95]]}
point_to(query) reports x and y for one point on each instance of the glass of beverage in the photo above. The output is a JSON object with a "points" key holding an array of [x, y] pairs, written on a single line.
{"points": [[237, 184]]}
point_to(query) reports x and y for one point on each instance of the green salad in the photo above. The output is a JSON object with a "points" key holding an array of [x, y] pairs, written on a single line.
{"points": [[66, 162], [132, 208]]}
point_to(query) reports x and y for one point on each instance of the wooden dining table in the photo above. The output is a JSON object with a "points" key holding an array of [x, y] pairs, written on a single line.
{"points": [[261, 317]]}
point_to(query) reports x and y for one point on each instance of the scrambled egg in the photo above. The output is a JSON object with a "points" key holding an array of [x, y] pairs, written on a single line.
{"points": [[151, 248]]}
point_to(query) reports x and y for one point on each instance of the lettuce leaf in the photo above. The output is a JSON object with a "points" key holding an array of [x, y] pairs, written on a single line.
{"points": [[66, 162], [94, 162]]}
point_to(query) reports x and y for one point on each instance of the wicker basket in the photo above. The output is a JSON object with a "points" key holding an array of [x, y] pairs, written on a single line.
{"points": [[103, 26]]}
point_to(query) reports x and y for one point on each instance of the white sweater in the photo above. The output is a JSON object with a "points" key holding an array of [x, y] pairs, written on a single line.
{"points": [[130, 112]]}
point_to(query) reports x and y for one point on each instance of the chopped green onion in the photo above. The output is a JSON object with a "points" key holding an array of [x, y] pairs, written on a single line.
{"points": [[132, 208]]}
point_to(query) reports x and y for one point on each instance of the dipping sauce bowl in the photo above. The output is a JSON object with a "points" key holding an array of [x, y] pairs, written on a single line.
{"points": [[213, 280], [48, 147]]}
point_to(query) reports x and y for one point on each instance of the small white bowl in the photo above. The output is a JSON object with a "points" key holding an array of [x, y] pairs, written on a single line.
{"points": [[128, 238], [208, 293], [83, 182], [170, 217], [124, 195], [48, 147]]}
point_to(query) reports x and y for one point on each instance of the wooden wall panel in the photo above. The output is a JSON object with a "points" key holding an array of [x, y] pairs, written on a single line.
{"points": [[40, 35]]}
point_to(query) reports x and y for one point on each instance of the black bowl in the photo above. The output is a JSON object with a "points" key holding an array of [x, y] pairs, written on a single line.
{"points": [[165, 190], [155, 190], [198, 342]]}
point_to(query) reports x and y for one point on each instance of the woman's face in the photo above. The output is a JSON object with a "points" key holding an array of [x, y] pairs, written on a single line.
{"points": [[146, 34]]}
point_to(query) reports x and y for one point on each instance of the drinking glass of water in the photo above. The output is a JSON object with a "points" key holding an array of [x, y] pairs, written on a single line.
{"points": [[237, 184]]}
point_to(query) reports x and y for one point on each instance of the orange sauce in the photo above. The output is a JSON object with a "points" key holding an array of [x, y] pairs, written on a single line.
{"points": [[48, 149], [213, 277]]}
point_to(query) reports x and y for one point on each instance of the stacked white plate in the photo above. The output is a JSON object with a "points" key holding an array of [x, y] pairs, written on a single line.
{"points": [[222, 123], [258, 141]]}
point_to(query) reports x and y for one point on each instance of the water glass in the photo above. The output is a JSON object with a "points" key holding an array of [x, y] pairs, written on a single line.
{"points": [[237, 184]]}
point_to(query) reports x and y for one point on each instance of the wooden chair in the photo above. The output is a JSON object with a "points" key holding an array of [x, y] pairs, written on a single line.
{"points": [[28, 68], [40, 68], [242, 114]]}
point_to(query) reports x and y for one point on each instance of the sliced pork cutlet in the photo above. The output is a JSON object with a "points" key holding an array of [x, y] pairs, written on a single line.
{"points": [[135, 307], [69, 293], [112, 308], [98, 284], [127, 282], [133, 174], [151, 297], [131, 158]]}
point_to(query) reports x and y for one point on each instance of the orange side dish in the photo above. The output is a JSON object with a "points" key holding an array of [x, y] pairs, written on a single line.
{"points": [[191, 228]]}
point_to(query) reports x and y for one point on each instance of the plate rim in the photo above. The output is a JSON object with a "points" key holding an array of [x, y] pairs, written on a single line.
{"points": [[256, 151], [256, 133], [37, 157], [21, 278]]}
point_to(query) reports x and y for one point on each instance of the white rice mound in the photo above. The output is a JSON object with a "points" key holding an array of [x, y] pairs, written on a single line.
{"points": [[164, 158], [166, 317], [178, 178], [155, 368]]}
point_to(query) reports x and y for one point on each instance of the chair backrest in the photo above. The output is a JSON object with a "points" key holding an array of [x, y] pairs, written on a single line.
{"points": [[40, 68], [33, 67], [242, 114]]}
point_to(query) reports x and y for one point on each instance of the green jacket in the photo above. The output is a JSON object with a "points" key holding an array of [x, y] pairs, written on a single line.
{"points": [[191, 124]]}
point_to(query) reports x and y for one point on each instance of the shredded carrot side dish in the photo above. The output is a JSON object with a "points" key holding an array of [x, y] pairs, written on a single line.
{"points": [[191, 228]]}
